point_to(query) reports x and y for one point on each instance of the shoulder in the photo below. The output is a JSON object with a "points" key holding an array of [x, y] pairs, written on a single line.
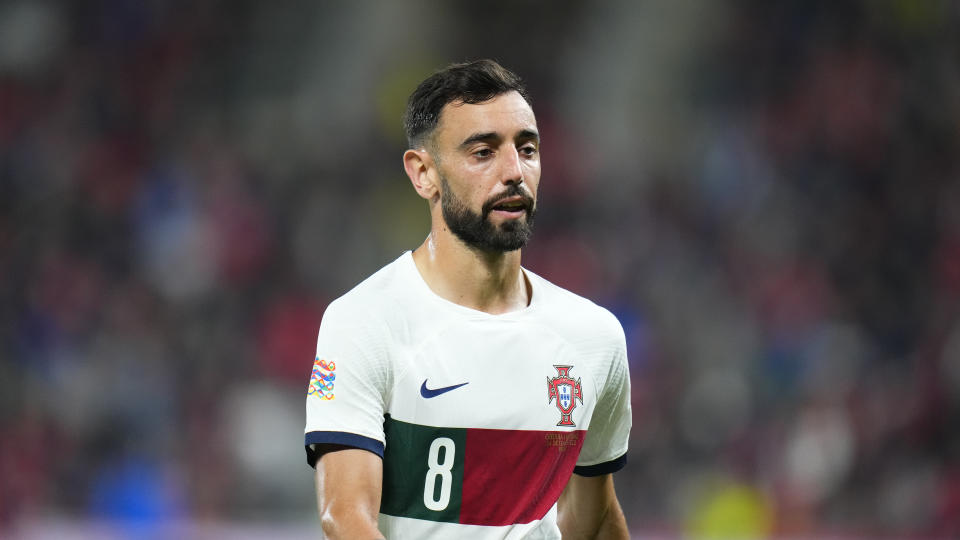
{"points": [[571, 310], [373, 302]]}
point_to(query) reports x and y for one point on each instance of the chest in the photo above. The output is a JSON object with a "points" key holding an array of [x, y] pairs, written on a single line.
{"points": [[494, 375]]}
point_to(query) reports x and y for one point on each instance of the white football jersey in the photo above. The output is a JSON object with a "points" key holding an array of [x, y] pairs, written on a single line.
{"points": [[480, 419]]}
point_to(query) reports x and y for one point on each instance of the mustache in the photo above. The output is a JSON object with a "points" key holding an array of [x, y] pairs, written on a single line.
{"points": [[514, 190]]}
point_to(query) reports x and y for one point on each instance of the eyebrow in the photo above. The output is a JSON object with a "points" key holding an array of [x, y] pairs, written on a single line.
{"points": [[492, 136], [528, 135], [489, 136]]}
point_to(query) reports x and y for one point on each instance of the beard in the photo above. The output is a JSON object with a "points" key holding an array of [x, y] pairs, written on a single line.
{"points": [[477, 231]]}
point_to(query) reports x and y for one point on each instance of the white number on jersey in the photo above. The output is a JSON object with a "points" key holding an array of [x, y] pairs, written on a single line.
{"points": [[439, 469]]}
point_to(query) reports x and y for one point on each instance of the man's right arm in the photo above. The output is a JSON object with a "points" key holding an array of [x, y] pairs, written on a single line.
{"points": [[349, 482], [345, 407]]}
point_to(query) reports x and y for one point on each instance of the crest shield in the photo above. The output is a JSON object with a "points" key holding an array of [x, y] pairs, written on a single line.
{"points": [[567, 391]]}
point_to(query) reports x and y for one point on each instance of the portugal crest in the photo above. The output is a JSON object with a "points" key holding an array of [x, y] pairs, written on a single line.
{"points": [[566, 391]]}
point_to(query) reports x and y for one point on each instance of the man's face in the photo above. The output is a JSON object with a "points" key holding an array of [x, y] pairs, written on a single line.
{"points": [[488, 163]]}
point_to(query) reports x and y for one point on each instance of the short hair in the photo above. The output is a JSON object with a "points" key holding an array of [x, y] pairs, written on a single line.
{"points": [[469, 82]]}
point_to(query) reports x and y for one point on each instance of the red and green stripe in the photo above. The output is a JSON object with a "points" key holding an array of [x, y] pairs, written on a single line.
{"points": [[496, 477]]}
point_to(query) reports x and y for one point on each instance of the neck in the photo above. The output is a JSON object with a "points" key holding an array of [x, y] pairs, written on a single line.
{"points": [[485, 281]]}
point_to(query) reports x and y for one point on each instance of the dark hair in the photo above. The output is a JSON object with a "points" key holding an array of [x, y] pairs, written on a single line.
{"points": [[469, 82]]}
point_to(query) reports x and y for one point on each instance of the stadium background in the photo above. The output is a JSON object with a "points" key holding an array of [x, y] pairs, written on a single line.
{"points": [[765, 194]]}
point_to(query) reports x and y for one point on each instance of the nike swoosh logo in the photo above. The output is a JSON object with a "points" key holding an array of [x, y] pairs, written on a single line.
{"points": [[434, 392]]}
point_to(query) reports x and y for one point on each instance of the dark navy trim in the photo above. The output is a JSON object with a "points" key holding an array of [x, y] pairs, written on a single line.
{"points": [[599, 469], [339, 437]]}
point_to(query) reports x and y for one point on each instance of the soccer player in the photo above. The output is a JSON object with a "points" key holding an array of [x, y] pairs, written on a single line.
{"points": [[454, 393]]}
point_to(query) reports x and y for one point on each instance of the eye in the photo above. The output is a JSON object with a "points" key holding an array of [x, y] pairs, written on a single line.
{"points": [[528, 150], [483, 153]]}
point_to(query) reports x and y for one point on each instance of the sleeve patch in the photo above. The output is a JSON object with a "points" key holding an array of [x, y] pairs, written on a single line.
{"points": [[322, 378]]}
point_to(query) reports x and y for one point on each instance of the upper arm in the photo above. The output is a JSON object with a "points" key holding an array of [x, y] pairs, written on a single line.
{"points": [[605, 446], [349, 483], [588, 508], [351, 376]]}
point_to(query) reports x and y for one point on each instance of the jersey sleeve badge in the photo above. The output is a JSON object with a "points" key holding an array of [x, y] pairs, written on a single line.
{"points": [[322, 378]]}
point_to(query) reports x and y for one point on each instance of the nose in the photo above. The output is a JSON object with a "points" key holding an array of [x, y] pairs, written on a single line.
{"points": [[512, 171]]}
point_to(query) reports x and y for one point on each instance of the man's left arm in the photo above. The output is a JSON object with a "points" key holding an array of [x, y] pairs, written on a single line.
{"points": [[588, 508]]}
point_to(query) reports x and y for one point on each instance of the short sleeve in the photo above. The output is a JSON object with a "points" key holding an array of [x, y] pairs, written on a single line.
{"points": [[605, 447], [346, 395]]}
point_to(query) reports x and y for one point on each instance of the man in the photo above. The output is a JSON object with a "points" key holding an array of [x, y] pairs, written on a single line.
{"points": [[455, 394]]}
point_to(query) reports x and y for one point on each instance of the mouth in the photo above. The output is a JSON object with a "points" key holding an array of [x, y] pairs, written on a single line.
{"points": [[511, 206]]}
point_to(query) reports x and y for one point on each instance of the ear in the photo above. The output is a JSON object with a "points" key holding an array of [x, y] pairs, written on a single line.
{"points": [[418, 164]]}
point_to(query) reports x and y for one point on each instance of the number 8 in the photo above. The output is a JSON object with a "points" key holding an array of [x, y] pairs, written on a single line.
{"points": [[439, 469]]}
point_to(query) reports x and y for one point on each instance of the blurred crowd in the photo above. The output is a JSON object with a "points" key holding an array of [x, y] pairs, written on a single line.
{"points": [[765, 195]]}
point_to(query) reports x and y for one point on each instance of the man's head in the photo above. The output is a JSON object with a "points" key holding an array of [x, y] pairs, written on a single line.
{"points": [[470, 82], [474, 154]]}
